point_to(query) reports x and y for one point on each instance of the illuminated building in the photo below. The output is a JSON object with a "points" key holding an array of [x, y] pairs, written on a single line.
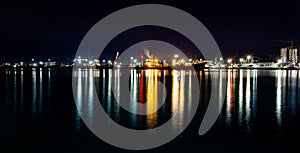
{"points": [[283, 55], [293, 56], [289, 55]]}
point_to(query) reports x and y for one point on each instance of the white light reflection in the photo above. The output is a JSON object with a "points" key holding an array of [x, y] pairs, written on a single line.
{"points": [[49, 88], [254, 93], [33, 89], [133, 91], [78, 73], [15, 90], [221, 89], [190, 94], [241, 96], [293, 94], [278, 97], [117, 92], [91, 95], [248, 96], [109, 98], [40, 89], [22, 90]]}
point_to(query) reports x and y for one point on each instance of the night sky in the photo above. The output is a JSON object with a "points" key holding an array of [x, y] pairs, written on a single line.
{"points": [[54, 29]]}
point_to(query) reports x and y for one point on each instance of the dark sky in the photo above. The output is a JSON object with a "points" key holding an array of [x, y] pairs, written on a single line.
{"points": [[55, 28]]}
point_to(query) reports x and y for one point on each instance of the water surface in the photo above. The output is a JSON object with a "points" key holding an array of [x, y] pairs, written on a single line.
{"points": [[260, 112]]}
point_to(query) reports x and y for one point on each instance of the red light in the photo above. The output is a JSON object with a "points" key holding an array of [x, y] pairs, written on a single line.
{"points": [[142, 56]]}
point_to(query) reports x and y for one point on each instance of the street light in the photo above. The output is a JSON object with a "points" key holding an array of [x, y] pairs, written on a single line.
{"points": [[229, 60], [131, 60], [249, 58], [241, 60], [176, 56]]}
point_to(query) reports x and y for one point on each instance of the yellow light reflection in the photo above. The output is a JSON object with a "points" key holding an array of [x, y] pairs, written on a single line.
{"points": [[175, 98], [152, 98]]}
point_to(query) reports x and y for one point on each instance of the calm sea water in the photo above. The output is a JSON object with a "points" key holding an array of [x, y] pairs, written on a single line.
{"points": [[261, 111]]}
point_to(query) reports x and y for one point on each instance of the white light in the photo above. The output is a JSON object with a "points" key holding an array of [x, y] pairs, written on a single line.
{"points": [[32, 60], [248, 57], [229, 60], [241, 60], [134, 61], [109, 61], [190, 60], [41, 63], [103, 61], [90, 62], [131, 57], [48, 60], [279, 61], [221, 59], [176, 56], [21, 63]]}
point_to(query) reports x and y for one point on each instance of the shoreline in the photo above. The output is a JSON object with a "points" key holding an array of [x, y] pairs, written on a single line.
{"points": [[142, 68]]}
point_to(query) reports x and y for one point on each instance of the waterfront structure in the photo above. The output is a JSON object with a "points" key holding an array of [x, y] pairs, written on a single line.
{"points": [[260, 65], [283, 55], [289, 55], [293, 55]]}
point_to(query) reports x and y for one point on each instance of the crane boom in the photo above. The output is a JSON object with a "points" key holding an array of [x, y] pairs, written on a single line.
{"points": [[116, 58]]}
